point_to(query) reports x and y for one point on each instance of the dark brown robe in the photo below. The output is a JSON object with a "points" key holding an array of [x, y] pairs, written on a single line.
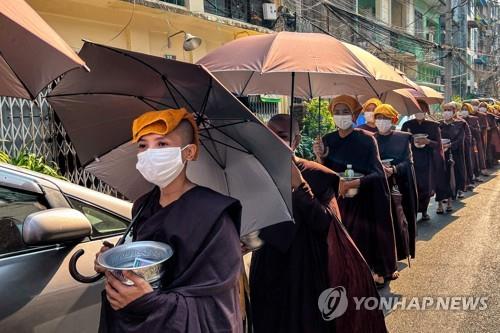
{"points": [[368, 128], [483, 125], [428, 161], [455, 159], [367, 216], [199, 290], [468, 151], [493, 147], [478, 158], [397, 146], [300, 260]]}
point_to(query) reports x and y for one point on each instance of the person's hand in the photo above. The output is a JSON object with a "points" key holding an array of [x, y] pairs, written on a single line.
{"points": [[319, 149], [422, 141], [346, 185], [244, 248], [297, 178], [388, 170], [120, 295], [98, 268]]}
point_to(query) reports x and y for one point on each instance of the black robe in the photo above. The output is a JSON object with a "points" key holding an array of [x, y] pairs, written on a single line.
{"points": [[199, 290], [368, 128], [367, 216], [300, 260], [397, 146], [478, 158], [428, 161], [455, 131]]}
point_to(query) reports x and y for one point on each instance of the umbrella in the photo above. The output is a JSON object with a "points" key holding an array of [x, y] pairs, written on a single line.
{"points": [[239, 156], [428, 95], [31, 54], [316, 64], [401, 99]]}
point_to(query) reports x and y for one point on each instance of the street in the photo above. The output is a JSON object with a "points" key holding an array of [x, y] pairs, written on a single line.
{"points": [[457, 255]]}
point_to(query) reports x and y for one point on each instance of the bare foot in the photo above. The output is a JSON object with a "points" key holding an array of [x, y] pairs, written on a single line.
{"points": [[378, 279], [395, 275]]}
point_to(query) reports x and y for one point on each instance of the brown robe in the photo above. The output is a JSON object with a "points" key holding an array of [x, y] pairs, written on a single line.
{"points": [[367, 216], [199, 290]]}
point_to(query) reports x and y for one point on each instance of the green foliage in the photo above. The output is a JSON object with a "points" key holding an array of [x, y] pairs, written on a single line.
{"points": [[314, 127], [457, 99], [313, 124], [30, 161], [305, 148]]}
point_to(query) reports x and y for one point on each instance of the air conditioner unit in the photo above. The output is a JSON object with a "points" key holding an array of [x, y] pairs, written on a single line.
{"points": [[269, 11]]}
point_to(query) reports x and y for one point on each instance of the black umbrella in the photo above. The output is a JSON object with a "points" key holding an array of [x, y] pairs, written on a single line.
{"points": [[239, 156]]}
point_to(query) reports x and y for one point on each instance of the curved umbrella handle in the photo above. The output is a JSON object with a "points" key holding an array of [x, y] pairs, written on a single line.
{"points": [[76, 275]]}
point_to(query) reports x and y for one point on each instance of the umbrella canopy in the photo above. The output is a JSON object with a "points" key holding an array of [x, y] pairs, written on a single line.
{"points": [[403, 101], [239, 155], [429, 95], [31, 54], [316, 64]]}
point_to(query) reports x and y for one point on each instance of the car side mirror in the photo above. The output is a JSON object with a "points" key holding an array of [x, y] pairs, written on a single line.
{"points": [[55, 226]]}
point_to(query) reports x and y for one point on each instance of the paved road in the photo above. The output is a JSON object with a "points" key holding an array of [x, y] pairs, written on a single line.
{"points": [[457, 255]]}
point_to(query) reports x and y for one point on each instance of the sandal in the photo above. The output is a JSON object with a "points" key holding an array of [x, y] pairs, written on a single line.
{"points": [[440, 211], [425, 217], [449, 209]]}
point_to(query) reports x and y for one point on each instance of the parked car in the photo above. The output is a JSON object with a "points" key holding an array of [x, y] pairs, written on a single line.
{"points": [[43, 221]]}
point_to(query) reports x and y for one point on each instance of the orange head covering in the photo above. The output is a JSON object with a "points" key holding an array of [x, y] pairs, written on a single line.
{"points": [[374, 101], [468, 107], [351, 102], [388, 111], [162, 122]]}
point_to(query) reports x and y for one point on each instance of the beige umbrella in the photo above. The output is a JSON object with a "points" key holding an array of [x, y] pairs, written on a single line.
{"points": [[403, 101], [31, 54], [314, 64], [429, 95]]}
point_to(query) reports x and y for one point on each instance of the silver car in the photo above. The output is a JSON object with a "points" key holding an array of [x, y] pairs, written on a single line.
{"points": [[43, 221]]}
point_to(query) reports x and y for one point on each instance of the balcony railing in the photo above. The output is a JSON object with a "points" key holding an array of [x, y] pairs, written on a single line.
{"points": [[175, 2]]}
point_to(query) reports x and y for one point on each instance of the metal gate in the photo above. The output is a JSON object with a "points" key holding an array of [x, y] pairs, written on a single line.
{"points": [[33, 126]]}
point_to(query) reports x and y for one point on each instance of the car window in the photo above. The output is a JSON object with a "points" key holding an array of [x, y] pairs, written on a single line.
{"points": [[15, 206], [103, 222]]}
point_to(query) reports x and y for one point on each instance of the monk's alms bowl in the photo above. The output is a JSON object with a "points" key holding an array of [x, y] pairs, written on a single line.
{"points": [[352, 191], [446, 143], [387, 162], [144, 258], [417, 138]]}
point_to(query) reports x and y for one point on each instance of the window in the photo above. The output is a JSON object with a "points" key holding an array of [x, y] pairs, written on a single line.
{"points": [[15, 206], [103, 223], [175, 2], [419, 24]]}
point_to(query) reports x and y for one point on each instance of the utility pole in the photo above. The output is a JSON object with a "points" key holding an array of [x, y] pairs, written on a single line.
{"points": [[448, 65]]}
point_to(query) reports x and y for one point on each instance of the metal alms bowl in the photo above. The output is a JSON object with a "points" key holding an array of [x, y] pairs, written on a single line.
{"points": [[352, 191], [416, 138], [144, 258]]}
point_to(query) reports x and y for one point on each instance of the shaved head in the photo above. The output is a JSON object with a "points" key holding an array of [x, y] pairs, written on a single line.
{"points": [[186, 132], [280, 125]]}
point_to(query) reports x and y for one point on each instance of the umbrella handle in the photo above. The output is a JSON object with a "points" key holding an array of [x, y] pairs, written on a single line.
{"points": [[73, 271]]}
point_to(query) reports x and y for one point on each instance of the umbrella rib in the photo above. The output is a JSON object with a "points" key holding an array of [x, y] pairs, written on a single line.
{"points": [[230, 137], [205, 100], [144, 99], [246, 84], [17, 77], [212, 155], [166, 82], [227, 125], [310, 85], [209, 137], [376, 93]]}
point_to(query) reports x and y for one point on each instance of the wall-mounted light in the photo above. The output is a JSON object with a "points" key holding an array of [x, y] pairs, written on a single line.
{"points": [[191, 42]]}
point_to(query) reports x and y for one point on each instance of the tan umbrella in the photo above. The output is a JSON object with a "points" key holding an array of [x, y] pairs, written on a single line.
{"points": [[429, 95], [31, 54], [403, 101], [314, 64]]}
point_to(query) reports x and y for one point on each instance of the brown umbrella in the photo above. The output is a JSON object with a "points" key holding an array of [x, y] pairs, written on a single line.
{"points": [[31, 54], [314, 64]]}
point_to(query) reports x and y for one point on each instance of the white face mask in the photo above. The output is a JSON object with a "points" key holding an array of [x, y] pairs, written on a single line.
{"points": [[160, 166], [420, 116], [383, 125], [475, 107], [343, 121], [464, 113], [369, 117], [482, 109], [447, 115]]}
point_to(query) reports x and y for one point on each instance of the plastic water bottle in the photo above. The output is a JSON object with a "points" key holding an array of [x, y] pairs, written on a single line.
{"points": [[349, 172]]}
